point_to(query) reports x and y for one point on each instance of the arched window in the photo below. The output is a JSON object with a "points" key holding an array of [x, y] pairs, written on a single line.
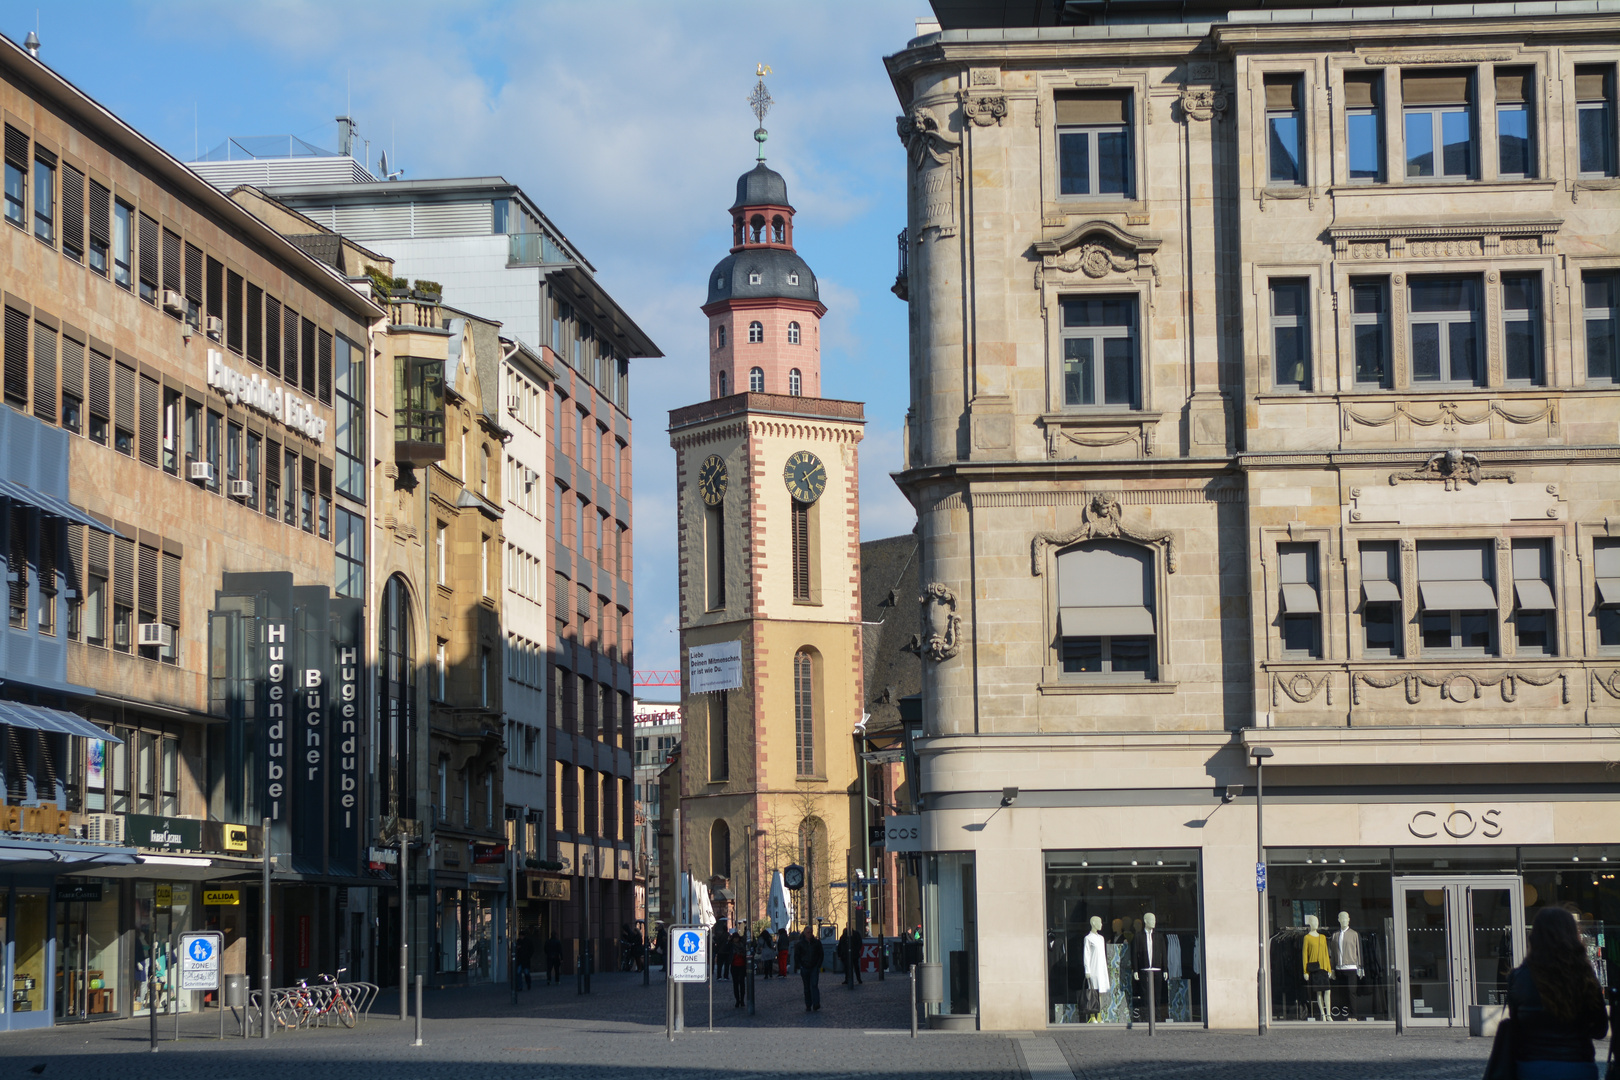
{"points": [[756, 333], [720, 384], [719, 736], [720, 336], [1105, 610], [804, 713], [737, 229], [756, 229], [756, 380], [778, 230], [483, 474], [793, 333], [795, 383], [396, 698], [720, 850]]}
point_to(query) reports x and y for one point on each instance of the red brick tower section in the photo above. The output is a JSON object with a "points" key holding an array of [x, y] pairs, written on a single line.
{"points": [[764, 303]]}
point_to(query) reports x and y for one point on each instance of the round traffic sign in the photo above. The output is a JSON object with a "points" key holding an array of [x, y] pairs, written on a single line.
{"points": [[201, 949], [689, 943]]}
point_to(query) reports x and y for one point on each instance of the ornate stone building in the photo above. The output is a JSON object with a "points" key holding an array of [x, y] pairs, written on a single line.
{"points": [[1263, 414]]}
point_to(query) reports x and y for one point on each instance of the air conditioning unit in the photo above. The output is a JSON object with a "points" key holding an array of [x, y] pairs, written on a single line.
{"points": [[512, 403], [241, 489], [216, 327], [203, 470], [174, 303], [104, 828], [529, 477], [155, 633]]}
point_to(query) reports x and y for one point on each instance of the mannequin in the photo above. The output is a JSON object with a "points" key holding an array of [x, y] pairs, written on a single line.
{"points": [[1119, 931], [1317, 965], [1347, 962], [1095, 956], [1147, 956]]}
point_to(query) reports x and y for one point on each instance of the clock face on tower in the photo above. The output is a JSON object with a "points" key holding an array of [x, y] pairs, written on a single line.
{"points": [[711, 480], [805, 476]]}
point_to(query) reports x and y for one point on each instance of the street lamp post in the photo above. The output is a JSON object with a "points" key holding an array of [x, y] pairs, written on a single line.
{"points": [[1260, 754]]}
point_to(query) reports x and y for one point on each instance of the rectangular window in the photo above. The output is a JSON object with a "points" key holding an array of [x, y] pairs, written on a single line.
{"points": [[45, 372], [351, 553], [45, 198], [1439, 124], [147, 252], [1291, 334], [581, 509], [439, 554], [483, 565], [1444, 314], [233, 312], [272, 478], [1105, 611], [1457, 602], [1515, 126], [307, 355], [1381, 598], [254, 324], [233, 452], [1601, 304], [253, 462], [801, 550], [1301, 602], [1521, 328], [1285, 130], [1606, 570], [441, 668], [1535, 624], [714, 578], [194, 290], [16, 359], [16, 177], [171, 272], [194, 428], [17, 563], [1094, 143], [124, 408], [121, 234], [1594, 94], [98, 571], [272, 336], [123, 594], [1364, 127], [214, 437], [350, 435], [557, 513], [151, 421], [1369, 325], [72, 215], [172, 406], [323, 502], [1100, 361], [169, 653], [73, 385], [306, 500], [289, 487], [98, 213]]}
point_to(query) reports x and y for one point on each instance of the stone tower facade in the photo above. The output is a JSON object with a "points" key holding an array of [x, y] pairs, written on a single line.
{"points": [[768, 505]]}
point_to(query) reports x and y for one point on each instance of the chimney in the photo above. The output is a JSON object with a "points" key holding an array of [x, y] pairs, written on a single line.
{"points": [[31, 43], [345, 136]]}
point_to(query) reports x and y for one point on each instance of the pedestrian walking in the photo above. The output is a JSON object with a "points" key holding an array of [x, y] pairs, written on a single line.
{"points": [[525, 959], [767, 952], [1555, 1004], [739, 968], [857, 941], [808, 956], [843, 957], [722, 954], [553, 960]]}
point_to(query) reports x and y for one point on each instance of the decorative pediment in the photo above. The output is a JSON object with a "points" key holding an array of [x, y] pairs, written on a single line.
{"points": [[1484, 238], [1097, 248], [1103, 521]]}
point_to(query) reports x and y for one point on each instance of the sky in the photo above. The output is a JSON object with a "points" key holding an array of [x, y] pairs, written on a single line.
{"points": [[626, 122]]}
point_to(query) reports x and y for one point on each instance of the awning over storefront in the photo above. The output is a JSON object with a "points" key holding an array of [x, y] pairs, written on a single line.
{"points": [[50, 504], [40, 718], [180, 867], [56, 855]]}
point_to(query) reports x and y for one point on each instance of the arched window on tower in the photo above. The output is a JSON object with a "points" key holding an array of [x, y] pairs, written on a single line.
{"points": [[720, 336], [756, 333], [737, 229], [793, 333], [720, 384], [778, 230], [756, 229], [756, 380], [795, 383], [720, 850], [804, 714]]}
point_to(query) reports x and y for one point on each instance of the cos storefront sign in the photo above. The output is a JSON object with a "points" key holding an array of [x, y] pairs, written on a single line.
{"points": [[1457, 823]]}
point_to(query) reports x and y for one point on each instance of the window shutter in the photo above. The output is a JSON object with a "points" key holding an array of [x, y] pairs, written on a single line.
{"points": [[289, 346], [75, 559], [562, 598], [124, 397], [100, 214], [148, 254], [16, 360], [17, 148], [45, 373], [1530, 587], [255, 324], [1282, 92], [1379, 574], [72, 211], [1092, 107], [194, 275], [149, 437], [801, 551], [100, 386], [98, 547], [1360, 90], [272, 336], [216, 289], [233, 312], [1455, 577], [1104, 589], [323, 371], [146, 588], [1435, 88], [123, 572], [1606, 568], [324, 482], [171, 588], [308, 474], [73, 367], [171, 262], [1297, 573], [306, 349]]}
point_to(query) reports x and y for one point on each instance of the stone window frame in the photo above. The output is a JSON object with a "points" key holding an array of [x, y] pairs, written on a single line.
{"points": [[1308, 70], [1139, 283], [1329, 592], [1259, 376], [1587, 536], [1569, 58], [1053, 677], [1574, 283], [1136, 84]]}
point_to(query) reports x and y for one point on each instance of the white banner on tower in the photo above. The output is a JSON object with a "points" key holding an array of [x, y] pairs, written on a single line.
{"points": [[714, 667]]}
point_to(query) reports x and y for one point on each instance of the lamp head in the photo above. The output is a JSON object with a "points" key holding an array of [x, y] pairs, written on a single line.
{"points": [[1009, 795]]}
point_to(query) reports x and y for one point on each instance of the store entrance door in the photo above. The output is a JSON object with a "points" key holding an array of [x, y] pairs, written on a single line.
{"points": [[1456, 940]]}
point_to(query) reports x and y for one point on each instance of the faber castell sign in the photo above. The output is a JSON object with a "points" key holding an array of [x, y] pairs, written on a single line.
{"points": [[260, 395]]}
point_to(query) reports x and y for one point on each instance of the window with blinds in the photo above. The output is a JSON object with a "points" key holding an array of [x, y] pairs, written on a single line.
{"points": [[289, 346], [1285, 129], [272, 336], [194, 285], [73, 575], [147, 584], [99, 223], [1515, 124], [1439, 124], [45, 372], [72, 216], [147, 257], [306, 349], [323, 510], [72, 385], [16, 359], [150, 441], [214, 298], [233, 312], [323, 367], [17, 532], [307, 502], [272, 478], [1364, 126], [100, 397], [1594, 94], [172, 281], [48, 532], [98, 570], [124, 408], [801, 550], [254, 325], [16, 177], [123, 593], [171, 605], [1094, 143]]}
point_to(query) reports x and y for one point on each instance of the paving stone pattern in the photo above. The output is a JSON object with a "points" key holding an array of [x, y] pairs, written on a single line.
{"points": [[616, 1033]]}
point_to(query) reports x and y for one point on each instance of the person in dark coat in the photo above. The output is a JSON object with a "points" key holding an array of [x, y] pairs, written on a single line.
{"points": [[739, 968], [553, 960], [525, 959], [808, 956], [857, 941], [767, 952], [1555, 1003]]}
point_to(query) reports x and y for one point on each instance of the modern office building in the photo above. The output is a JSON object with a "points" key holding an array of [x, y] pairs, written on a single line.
{"points": [[1263, 416], [657, 732]]}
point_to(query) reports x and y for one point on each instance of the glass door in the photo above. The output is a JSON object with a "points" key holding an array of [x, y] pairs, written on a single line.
{"points": [[1457, 938]]}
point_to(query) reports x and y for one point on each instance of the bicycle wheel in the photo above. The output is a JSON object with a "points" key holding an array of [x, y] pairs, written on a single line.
{"points": [[345, 1011], [284, 1012]]}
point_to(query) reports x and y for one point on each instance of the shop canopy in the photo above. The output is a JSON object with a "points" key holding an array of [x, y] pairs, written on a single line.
{"points": [[58, 855], [39, 718], [50, 504]]}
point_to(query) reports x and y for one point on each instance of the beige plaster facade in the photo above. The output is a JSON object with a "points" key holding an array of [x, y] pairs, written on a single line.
{"points": [[1270, 442]]}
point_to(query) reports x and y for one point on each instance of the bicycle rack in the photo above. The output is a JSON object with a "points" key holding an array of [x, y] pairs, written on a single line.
{"points": [[295, 1007]]}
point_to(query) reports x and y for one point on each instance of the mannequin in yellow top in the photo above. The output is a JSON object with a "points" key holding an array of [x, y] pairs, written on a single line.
{"points": [[1316, 951]]}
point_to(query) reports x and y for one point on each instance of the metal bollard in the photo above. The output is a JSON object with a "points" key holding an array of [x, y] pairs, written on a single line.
{"points": [[913, 1001], [151, 996], [418, 1011]]}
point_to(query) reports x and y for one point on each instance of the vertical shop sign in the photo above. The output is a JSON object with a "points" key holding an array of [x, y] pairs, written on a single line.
{"points": [[309, 759], [344, 726]]}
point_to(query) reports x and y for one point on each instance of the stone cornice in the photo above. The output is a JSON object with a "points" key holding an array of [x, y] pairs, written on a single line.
{"points": [[768, 404]]}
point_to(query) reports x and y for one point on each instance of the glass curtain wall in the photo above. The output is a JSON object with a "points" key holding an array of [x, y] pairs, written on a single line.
{"points": [[951, 920]]}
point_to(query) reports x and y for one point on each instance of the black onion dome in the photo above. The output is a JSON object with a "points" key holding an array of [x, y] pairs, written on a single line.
{"points": [[780, 274], [760, 186]]}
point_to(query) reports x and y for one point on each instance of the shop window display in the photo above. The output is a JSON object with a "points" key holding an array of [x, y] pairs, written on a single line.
{"points": [[951, 911], [163, 911], [1111, 916], [1586, 880], [88, 979], [28, 992], [1333, 908]]}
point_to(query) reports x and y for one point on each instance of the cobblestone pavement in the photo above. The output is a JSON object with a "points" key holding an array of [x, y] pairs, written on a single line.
{"points": [[617, 1033]]}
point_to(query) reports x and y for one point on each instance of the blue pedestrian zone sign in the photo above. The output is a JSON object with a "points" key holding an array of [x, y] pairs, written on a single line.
{"points": [[689, 960], [1260, 877], [200, 950], [199, 960]]}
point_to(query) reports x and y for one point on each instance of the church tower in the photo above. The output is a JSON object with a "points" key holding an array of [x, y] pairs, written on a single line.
{"points": [[768, 503]]}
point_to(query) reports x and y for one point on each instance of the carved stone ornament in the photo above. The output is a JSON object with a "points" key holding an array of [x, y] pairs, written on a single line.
{"points": [[1202, 104], [942, 627], [985, 110], [1456, 685], [1453, 468], [1102, 522], [923, 136], [1299, 688], [1098, 248]]}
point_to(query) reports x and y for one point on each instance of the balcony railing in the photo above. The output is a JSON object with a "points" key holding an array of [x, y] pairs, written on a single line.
{"points": [[902, 279], [532, 249]]}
